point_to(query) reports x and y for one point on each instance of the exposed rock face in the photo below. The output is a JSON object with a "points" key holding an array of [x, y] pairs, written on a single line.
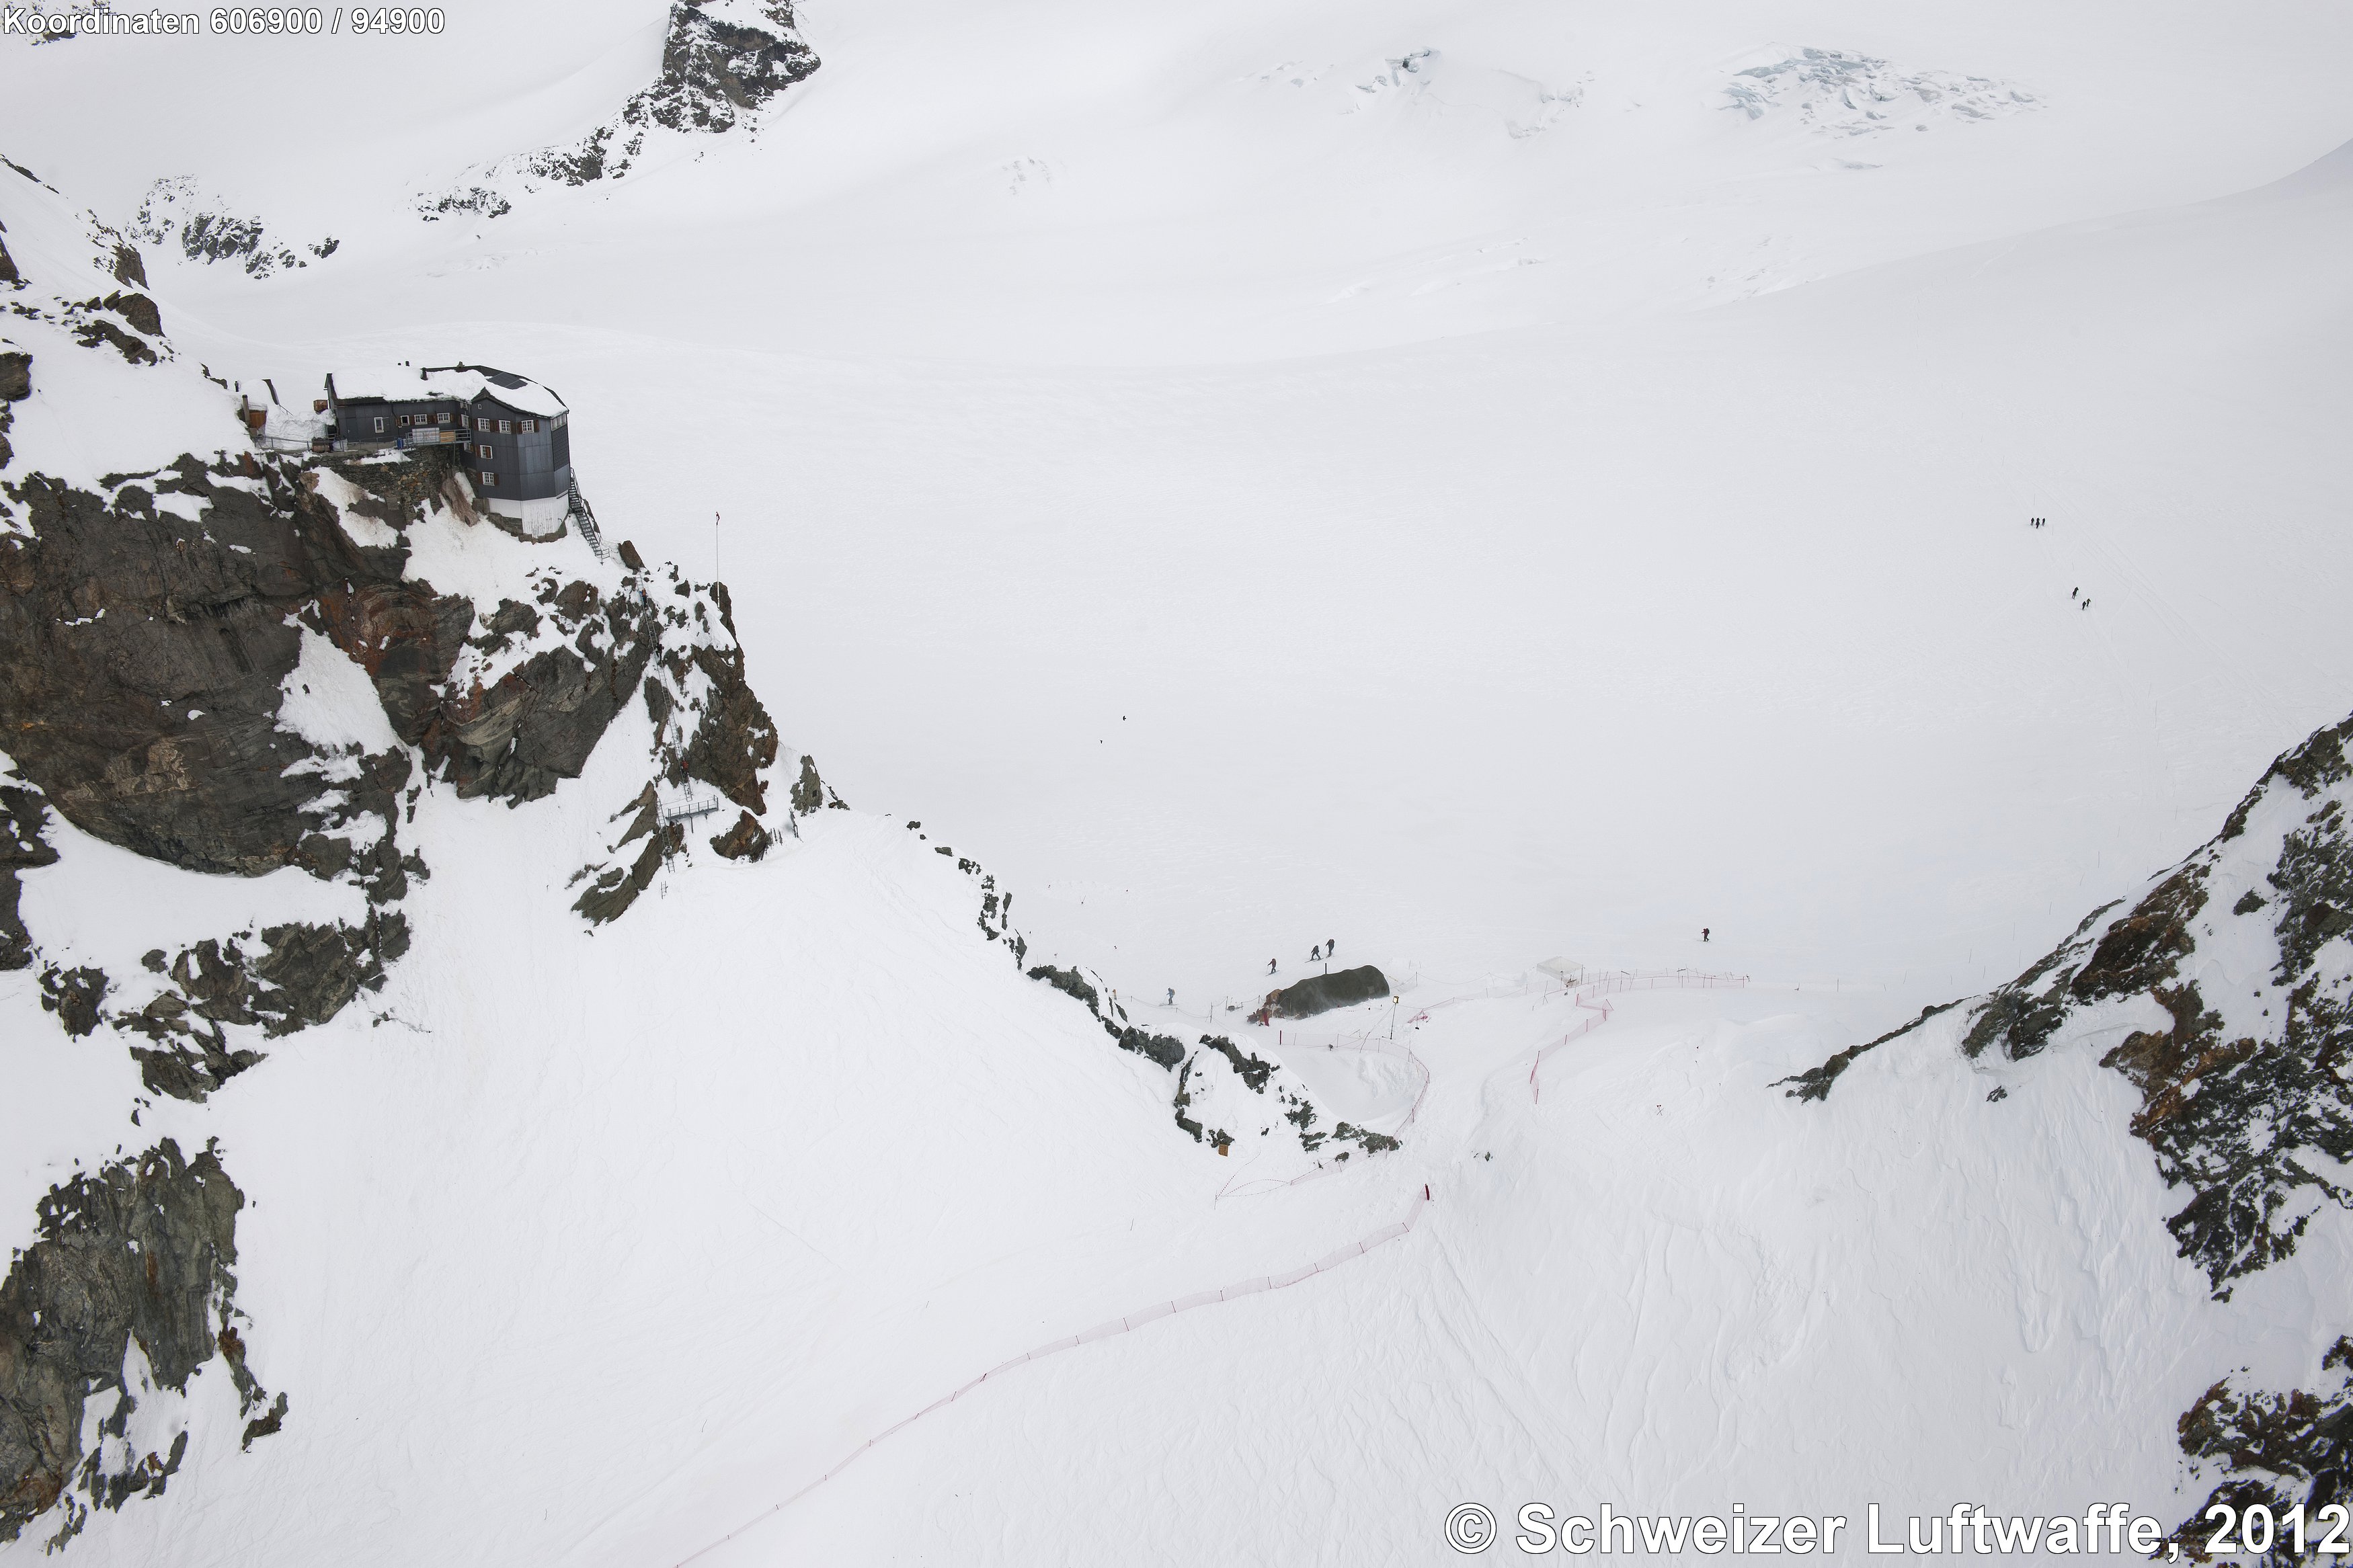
{"points": [[734, 739], [206, 229], [303, 975], [747, 840], [22, 819], [128, 1289], [1071, 982], [2234, 973], [16, 386], [1158, 1048], [136, 308], [2278, 1450], [1322, 992], [723, 61], [143, 665], [709, 728], [537, 723], [811, 793], [2236, 1083], [1202, 1075], [722, 57], [141, 660]]}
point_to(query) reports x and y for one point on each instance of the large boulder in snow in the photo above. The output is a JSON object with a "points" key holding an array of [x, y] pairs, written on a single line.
{"points": [[1322, 992]]}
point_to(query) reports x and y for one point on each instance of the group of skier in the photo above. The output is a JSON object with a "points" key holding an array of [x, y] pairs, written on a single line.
{"points": [[1314, 954]]}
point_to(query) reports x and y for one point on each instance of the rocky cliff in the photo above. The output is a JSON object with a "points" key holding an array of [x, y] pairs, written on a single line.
{"points": [[238, 665], [722, 62], [2230, 980]]}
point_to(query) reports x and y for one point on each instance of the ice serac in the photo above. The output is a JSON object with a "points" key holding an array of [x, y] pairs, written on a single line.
{"points": [[128, 1290]]}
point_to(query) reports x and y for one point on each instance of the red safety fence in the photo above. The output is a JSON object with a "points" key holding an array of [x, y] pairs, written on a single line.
{"points": [[1102, 1331], [1586, 996]]}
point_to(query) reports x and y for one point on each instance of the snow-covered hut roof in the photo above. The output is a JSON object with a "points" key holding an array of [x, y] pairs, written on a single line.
{"points": [[464, 384]]}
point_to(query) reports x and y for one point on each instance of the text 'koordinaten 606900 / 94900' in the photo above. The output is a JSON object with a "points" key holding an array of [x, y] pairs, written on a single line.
{"points": [[232, 21]]}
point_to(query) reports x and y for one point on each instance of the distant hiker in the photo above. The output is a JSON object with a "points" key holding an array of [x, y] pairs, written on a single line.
{"points": [[1330, 945], [1172, 996], [2072, 592], [1270, 966], [1702, 933]]}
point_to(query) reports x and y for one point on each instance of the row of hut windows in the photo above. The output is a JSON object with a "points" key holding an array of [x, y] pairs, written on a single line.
{"points": [[504, 426]]}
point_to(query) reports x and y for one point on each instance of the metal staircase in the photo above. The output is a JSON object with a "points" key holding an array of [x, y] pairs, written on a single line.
{"points": [[584, 518]]}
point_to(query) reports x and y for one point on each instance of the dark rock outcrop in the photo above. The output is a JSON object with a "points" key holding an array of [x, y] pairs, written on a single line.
{"points": [[1070, 983], [139, 310], [811, 793], [735, 739], [207, 230], [1322, 992], [713, 73], [97, 331], [2280, 1451], [302, 975], [1246, 1064], [2235, 1086], [714, 69], [139, 1251], [1157, 1049], [609, 898], [75, 995], [141, 659], [747, 840], [23, 819]]}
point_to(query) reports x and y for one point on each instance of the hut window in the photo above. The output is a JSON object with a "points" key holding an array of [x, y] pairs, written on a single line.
{"points": [[529, 427]]}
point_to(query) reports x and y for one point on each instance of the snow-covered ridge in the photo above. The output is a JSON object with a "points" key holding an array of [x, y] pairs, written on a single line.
{"points": [[178, 211], [263, 707], [2224, 994], [722, 62]]}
